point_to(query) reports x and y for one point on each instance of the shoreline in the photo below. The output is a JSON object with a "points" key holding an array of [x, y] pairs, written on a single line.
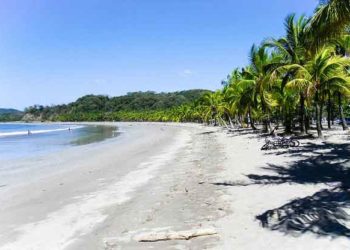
{"points": [[69, 205], [174, 177]]}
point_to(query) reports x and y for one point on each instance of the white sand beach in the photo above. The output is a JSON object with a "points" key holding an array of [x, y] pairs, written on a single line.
{"points": [[176, 177], [288, 189]]}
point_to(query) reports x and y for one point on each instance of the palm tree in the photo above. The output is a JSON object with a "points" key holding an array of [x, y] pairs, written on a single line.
{"points": [[342, 45], [294, 45], [213, 106], [258, 74], [294, 48], [329, 21], [323, 69], [341, 89], [227, 104], [242, 96]]}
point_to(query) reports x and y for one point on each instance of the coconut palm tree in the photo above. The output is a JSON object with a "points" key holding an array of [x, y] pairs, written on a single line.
{"points": [[258, 74], [242, 96], [294, 48], [323, 69], [213, 107], [329, 21], [342, 45], [339, 88], [228, 105]]}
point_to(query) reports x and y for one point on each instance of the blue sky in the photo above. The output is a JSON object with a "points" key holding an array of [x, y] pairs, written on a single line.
{"points": [[52, 52]]}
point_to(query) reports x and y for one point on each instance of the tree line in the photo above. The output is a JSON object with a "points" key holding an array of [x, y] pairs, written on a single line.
{"points": [[135, 106], [291, 80]]}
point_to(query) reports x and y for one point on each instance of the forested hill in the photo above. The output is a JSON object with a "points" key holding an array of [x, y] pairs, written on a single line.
{"points": [[9, 111], [10, 115], [133, 106]]}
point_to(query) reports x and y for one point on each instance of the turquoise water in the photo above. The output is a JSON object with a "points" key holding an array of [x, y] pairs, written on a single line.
{"points": [[20, 140]]}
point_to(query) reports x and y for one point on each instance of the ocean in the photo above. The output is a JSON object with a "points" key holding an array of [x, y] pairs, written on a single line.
{"points": [[19, 140]]}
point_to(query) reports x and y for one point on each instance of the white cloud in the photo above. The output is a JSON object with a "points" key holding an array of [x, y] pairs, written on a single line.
{"points": [[186, 72]]}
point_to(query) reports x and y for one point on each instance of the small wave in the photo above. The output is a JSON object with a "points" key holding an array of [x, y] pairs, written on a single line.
{"points": [[33, 132]]}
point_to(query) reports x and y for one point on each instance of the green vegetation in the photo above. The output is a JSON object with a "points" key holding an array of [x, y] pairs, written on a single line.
{"points": [[7, 115], [136, 106], [292, 80]]}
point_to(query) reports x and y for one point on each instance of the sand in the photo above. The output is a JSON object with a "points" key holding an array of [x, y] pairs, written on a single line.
{"points": [[147, 179], [258, 181], [158, 178]]}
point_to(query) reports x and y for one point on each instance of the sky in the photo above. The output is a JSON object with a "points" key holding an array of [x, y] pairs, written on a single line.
{"points": [[52, 52]]}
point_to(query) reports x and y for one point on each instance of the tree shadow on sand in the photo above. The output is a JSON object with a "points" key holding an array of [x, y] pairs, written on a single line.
{"points": [[328, 163], [323, 213]]}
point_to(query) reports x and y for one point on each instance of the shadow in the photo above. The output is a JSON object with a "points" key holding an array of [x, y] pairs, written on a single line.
{"points": [[243, 131], [323, 213], [230, 184], [327, 163], [207, 133]]}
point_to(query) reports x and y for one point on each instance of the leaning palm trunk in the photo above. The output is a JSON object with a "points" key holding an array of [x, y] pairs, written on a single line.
{"points": [[318, 116], [341, 113], [251, 121], [230, 120], [223, 122], [240, 121]]}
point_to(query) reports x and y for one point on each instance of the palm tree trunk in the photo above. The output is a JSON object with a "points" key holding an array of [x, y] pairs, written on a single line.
{"points": [[318, 116], [341, 113], [329, 107], [266, 121], [267, 124], [224, 122], [236, 121], [251, 119], [307, 122], [321, 114], [302, 113], [288, 123], [240, 121], [230, 120]]}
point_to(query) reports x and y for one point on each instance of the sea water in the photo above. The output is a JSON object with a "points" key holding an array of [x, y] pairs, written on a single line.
{"points": [[19, 140]]}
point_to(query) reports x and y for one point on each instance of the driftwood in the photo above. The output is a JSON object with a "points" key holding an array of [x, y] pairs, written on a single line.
{"points": [[181, 235]]}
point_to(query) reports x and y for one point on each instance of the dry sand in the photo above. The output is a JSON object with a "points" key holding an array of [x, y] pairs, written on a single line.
{"points": [[284, 184], [177, 177]]}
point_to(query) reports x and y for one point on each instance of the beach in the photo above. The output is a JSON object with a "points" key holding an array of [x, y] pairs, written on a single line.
{"points": [[145, 179], [161, 177]]}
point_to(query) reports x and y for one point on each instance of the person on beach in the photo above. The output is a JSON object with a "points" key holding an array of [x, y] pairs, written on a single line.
{"points": [[29, 133]]}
